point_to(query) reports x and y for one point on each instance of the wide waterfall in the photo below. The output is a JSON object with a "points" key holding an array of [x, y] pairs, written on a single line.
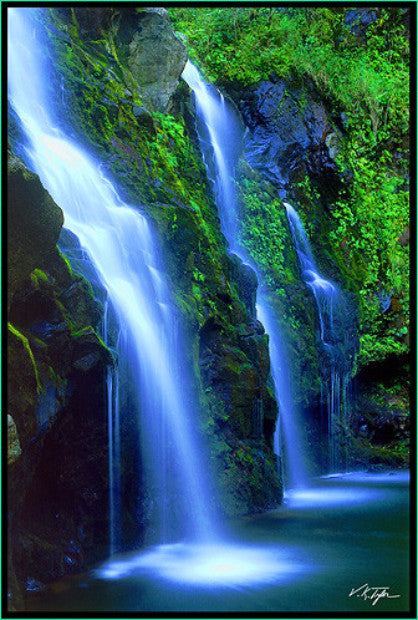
{"points": [[219, 129], [337, 345], [121, 246]]}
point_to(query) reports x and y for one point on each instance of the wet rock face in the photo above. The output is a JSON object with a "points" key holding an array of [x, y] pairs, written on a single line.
{"points": [[34, 223], [57, 443], [237, 369], [290, 134], [90, 20], [382, 421], [246, 280], [93, 20], [58, 493], [358, 21], [13, 444]]}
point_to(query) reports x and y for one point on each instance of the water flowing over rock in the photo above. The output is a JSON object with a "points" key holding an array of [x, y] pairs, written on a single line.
{"points": [[121, 246], [220, 138], [174, 337], [337, 348]]}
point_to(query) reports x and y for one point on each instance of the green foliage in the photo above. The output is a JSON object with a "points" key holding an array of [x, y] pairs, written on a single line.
{"points": [[368, 227], [367, 78], [372, 349], [266, 235], [247, 44], [393, 455], [264, 230]]}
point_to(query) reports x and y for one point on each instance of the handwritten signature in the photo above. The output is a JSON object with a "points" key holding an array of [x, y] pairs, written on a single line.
{"points": [[372, 593]]}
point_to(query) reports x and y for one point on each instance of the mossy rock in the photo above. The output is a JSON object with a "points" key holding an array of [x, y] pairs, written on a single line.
{"points": [[34, 223], [13, 444], [23, 384]]}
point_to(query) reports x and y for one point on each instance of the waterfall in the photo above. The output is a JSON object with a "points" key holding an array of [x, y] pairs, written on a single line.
{"points": [[123, 249], [336, 345], [219, 128]]}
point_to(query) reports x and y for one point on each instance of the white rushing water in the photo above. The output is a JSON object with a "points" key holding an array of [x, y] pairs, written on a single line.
{"points": [[219, 127], [119, 242]]}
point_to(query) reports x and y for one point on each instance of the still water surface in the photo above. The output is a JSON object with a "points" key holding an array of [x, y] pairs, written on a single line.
{"points": [[338, 535]]}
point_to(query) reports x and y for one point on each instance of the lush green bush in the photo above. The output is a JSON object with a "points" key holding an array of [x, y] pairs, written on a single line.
{"points": [[365, 77], [248, 44]]}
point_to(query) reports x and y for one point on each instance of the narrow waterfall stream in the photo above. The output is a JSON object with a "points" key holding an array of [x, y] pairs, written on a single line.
{"points": [[121, 246], [337, 343], [219, 128]]}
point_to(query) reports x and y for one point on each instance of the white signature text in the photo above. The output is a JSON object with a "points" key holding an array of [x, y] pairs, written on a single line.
{"points": [[372, 593]]}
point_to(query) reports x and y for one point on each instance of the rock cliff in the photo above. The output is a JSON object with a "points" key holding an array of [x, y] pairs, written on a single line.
{"points": [[57, 441]]}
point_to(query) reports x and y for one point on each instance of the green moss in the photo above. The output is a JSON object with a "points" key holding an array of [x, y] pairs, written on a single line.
{"points": [[266, 235], [244, 469], [27, 348], [65, 261], [393, 455], [37, 276]]}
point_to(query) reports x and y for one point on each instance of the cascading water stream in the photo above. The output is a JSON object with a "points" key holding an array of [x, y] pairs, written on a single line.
{"points": [[219, 128], [332, 313], [120, 245], [118, 242]]}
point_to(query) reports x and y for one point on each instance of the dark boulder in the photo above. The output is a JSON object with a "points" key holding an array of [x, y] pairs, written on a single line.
{"points": [[290, 134], [145, 44], [358, 20]]}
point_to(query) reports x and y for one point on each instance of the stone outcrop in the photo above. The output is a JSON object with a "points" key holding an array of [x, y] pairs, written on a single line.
{"points": [[154, 55], [32, 233], [145, 44], [290, 133], [57, 442]]}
